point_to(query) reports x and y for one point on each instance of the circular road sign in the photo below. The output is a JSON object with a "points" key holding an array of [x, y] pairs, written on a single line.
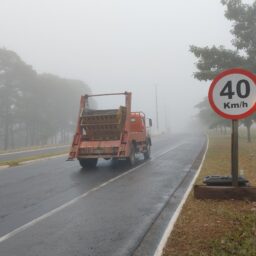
{"points": [[232, 94]]}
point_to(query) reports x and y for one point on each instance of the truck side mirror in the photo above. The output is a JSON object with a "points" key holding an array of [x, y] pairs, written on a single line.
{"points": [[150, 122]]}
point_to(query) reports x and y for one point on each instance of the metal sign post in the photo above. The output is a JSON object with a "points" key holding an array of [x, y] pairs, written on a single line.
{"points": [[234, 153]]}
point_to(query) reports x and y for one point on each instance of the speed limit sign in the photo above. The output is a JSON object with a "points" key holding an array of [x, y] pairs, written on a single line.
{"points": [[232, 94]]}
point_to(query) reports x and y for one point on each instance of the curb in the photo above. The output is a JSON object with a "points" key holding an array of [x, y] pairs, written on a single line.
{"points": [[2, 167], [169, 228]]}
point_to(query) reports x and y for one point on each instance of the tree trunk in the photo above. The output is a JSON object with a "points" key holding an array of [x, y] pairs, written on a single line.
{"points": [[12, 137], [6, 128], [6, 134], [26, 135], [248, 127]]}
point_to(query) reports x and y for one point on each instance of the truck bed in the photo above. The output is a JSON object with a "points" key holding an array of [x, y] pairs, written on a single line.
{"points": [[103, 124]]}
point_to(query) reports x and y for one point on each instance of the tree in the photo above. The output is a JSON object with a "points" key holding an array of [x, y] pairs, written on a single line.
{"points": [[209, 118], [35, 108], [213, 60], [248, 122], [16, 78]]}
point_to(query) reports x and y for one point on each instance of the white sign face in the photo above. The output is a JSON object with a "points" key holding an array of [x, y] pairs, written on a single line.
{"points": [[233, 94]]}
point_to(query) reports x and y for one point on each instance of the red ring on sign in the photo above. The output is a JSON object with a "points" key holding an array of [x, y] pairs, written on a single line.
{"points": [[216, 80]]}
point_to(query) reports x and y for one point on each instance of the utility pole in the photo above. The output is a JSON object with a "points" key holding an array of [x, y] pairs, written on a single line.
{"points": [[156, 96], [166, 118]]}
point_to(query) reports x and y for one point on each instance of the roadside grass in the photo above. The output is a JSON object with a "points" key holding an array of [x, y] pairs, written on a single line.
{"points": [[30, 148], [218, 228], [18, 161]]}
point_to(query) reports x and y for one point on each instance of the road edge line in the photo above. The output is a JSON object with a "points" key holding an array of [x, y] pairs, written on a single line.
{"points": [[170, 225], [43, 158]]}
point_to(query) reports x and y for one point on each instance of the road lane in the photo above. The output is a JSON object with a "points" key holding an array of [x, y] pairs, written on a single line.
{"points": [[27, 192], [116, 215]]}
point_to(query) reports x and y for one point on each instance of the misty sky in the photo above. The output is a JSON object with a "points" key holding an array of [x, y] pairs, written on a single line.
{"points": [[118, 45]]}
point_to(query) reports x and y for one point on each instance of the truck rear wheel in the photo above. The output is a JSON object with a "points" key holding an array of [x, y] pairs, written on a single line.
{"points": [[131, 159], [88, 162], [148, 152]]}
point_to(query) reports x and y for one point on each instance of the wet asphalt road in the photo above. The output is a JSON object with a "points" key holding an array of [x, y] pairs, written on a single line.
{"points": [[30, 153], [105, 211]]}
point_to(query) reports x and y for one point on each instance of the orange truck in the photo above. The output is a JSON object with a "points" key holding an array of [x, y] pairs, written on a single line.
{"points": [[116, 134]]}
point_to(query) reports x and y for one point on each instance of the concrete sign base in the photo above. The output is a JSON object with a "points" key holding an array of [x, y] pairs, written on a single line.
{"points": [[225, 193]]}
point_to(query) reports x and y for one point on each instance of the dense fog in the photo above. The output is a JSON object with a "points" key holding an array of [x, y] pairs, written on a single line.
{"points": [[140, 46]]}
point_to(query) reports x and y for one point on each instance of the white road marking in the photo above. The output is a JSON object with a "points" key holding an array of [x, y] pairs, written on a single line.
{"points": [[169, 228], [43, 158], [76, 199]]}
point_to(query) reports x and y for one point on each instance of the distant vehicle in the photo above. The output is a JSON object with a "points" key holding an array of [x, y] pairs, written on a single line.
{"points": [[110, 133]]}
